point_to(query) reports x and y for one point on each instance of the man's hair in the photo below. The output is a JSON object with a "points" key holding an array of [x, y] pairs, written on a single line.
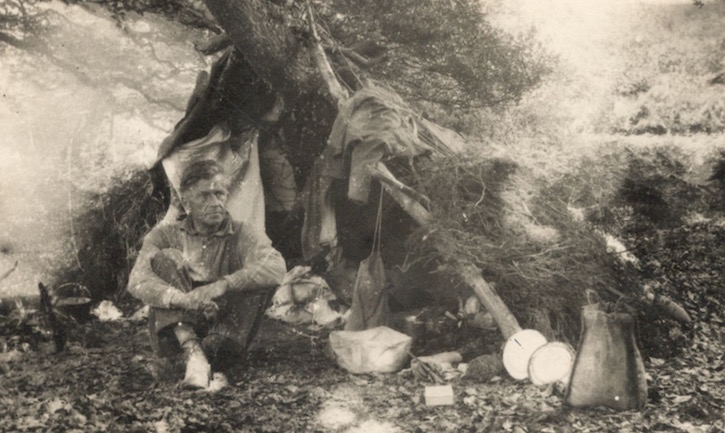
{"points": [[199, 170]]}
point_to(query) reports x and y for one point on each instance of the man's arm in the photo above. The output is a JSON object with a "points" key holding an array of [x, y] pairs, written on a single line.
{"points": [[143, 283], [263, 265]]}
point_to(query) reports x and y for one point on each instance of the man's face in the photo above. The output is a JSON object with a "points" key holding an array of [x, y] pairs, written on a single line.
{"points": [[205, 202]]}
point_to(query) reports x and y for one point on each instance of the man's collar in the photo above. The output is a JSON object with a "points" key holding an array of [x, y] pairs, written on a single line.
{"points": [[226, 228]]}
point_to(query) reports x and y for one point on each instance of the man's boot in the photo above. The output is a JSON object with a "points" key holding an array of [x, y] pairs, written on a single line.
{"points": [[198, 370]]}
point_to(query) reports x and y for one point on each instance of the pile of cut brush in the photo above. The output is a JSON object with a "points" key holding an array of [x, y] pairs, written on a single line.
{"points": [[538, 256], [668, 210], [664, 206], [107, 231]]}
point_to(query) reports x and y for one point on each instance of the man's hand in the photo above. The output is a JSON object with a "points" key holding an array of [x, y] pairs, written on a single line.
{"points": [[201, 298], [209, 292], [179, 299], [205, 296]]}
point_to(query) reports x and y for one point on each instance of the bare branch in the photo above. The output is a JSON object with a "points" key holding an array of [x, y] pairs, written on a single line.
{"points": [[214, 44], [357, 58], [337, 93], [9, 271], [14, 42]]}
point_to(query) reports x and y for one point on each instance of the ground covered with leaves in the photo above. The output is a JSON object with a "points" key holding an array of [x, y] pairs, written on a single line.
{"points": [[109, 380]]}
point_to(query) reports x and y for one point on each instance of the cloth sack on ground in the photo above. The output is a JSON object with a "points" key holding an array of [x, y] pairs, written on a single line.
{"points": [[302, 298], [608, 370], [377, 350]]}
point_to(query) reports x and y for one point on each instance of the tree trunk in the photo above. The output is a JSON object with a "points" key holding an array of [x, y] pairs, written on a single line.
{"points": [[260, 31]]}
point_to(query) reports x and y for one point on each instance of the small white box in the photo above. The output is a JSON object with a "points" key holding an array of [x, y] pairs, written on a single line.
{"points": [[439, 395]]}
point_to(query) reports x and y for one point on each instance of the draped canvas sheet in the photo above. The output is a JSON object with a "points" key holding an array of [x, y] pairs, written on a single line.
{"points": [[239, 156], [373, 125]]}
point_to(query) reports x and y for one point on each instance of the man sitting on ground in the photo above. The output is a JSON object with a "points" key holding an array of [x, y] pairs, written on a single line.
{"points": [[206, 277]]}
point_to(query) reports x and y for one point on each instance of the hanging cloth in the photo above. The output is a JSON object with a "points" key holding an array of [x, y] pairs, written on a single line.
{"points": [[370, 307], [238, 154]]}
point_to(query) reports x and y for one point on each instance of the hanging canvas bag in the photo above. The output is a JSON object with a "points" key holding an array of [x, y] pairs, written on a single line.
{"points": [[370, 307], [608, 370]]}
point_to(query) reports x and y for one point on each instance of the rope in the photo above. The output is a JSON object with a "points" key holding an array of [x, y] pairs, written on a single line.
{"points": [[378, 225]]}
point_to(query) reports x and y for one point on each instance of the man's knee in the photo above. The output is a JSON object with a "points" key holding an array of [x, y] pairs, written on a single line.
{"points": [[168, 264]]}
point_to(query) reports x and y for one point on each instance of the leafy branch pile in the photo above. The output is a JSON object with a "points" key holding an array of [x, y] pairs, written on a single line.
{"points": [[106, 234], [673, 227], [540, 260], [442, 53]]}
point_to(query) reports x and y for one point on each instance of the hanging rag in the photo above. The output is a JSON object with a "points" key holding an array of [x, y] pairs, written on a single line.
{"points": [[370, 307], [373, 125]]}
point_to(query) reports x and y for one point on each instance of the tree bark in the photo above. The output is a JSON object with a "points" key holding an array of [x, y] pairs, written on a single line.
{"points": [[284, 58], [259, 30]]}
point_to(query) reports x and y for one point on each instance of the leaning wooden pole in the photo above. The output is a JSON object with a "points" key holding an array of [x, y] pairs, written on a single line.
{"points": [[471, 276], [469, 273]]}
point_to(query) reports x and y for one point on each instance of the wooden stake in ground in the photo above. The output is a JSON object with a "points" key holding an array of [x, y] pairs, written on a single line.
{"points": [[50, 319], [493, 303]]}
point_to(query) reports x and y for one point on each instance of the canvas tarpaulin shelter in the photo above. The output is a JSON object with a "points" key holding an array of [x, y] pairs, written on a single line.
{"points": [[216, 127], [375, 136]]}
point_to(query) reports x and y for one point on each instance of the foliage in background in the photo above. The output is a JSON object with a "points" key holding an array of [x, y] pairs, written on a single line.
{"points": [[107, 231], [646, 198], [20, 19], [440, 55], [444, 53], [676, 86]]}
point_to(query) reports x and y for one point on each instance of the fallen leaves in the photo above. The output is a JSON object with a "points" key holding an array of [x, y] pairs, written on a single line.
{"points": [[289, 383]]}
